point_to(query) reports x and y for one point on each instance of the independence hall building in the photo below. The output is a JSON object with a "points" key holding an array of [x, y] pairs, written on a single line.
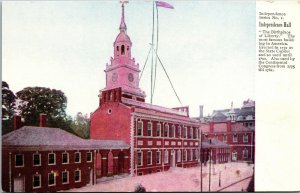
{"points": [[159, 137]]}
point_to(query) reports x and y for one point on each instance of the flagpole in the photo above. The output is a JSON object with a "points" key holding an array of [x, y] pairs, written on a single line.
{"points": [[152, 53], [155, 68]]}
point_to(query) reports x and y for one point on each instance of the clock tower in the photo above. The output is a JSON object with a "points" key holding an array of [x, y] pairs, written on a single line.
{"points": [[123, 71]]}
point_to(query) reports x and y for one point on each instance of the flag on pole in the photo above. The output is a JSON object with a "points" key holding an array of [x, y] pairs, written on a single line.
{"points": [[164, 4]]}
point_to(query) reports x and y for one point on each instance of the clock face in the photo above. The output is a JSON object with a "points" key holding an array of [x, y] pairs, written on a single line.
{"points": [[114, 77], [130, 77]]}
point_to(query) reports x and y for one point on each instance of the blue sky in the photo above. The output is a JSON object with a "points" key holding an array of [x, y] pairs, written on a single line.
{"points": [[207, 47]]}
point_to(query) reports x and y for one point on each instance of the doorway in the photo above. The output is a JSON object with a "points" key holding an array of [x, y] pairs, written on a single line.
{"points": [[19, 184]]}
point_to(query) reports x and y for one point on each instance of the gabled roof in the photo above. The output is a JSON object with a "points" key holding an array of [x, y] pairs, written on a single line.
{"points": [[153, 107], [215, 143], [46, 138]]}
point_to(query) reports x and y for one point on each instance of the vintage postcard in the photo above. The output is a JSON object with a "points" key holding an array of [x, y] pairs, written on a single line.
{"points": [[123, 96]]}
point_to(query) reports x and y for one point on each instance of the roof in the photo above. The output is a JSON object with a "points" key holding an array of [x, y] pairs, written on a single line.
{"points": [[215, 143], [47, 138], [153, 107], [123, 37]]}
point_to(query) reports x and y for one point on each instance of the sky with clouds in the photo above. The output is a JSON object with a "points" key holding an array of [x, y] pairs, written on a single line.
{"points": [[207, 47]]}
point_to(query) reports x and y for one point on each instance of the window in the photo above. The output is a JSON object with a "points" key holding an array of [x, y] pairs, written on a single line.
{"points": [[235, 138], [166, 157], [149, 126], [77, 176], [245, 138], [245, 153], [196, 155], [65, 177], [51, 159], [51, 179], [191, 154], [191, 132], [65, 158], [36, 159], [36, 181], [140, 128], [184, 155], [77, 157], [173, 131], [197, 134], [158, 157], [158, 129], [185, 132], [225, 138], [179, 155], [89, 156], [140, 158], [19, 160], [149, 157], [122, 49], [117, 48], [166, 131], [234, 156], [179, 132]]}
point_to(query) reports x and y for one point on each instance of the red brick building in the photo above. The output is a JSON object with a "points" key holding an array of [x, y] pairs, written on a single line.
{"points": [[40, 159], [240, 138], [159, 137]]}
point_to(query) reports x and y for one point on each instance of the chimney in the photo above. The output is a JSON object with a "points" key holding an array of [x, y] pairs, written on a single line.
{"points": [[229, 125], [43, 120], [17, 122], [201, 112]]}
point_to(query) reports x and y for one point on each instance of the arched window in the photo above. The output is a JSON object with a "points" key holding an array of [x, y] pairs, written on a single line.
{"points": [[122, 50], [117, 48]]}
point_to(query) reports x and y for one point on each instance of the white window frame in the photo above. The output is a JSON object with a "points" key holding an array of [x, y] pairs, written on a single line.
{"points": [[39, 159], [166, 128], [235, 138], [234, 154], [178, 155], [166, 156], [140, 123], [63, 178], [141, 158], [79, 157], [40, 180], [79, 176], [62, 158], [149, 152], [53, 158], [158, 128], [245, 138], [191, 154], [158, 157], [16, 160], [87, 156], [149, 128], [54, 179]]}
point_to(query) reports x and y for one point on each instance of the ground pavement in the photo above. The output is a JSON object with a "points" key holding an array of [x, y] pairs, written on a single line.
{"points": [[224, 177]]}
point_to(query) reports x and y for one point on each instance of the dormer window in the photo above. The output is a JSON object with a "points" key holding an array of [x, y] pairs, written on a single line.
{"points": [[122, 50]]}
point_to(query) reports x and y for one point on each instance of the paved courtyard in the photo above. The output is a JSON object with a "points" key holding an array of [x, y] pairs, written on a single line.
{"points": [[231, 176]]}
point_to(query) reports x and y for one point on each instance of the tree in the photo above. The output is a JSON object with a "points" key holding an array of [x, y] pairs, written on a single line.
{"points": [[8, 101], [38, 100], [8, 108], [81, 125]]}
